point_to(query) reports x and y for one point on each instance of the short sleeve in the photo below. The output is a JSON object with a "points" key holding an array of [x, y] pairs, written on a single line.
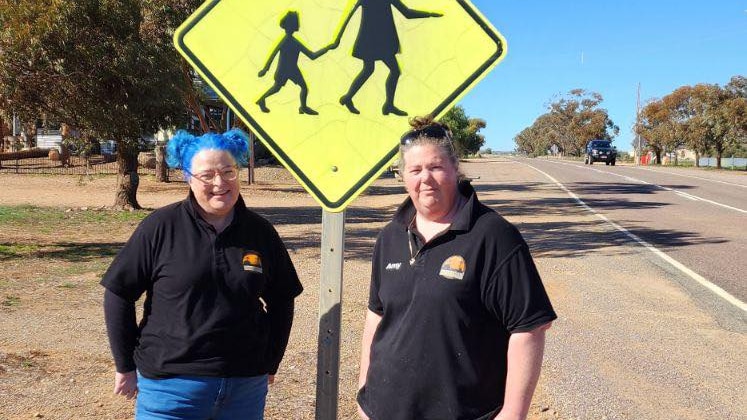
{"points": [[130, 274], [514, 294], [374, 301], [283, 283]]}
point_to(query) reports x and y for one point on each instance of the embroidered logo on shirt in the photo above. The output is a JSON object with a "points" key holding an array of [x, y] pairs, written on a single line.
{"points": [[393, 266], [453, 268], [252, 262]]}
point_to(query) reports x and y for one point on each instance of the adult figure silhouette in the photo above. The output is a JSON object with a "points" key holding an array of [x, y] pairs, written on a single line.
{"points": [[377, 41]]}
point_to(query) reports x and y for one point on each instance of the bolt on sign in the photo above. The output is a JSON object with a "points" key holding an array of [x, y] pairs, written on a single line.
{"points": [[328, 87]]}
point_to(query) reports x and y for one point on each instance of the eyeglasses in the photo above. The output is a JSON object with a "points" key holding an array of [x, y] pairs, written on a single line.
{"points": [[227, 174], [434, 131]]}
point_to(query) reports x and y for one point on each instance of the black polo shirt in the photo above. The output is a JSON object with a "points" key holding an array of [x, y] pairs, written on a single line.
{"points": [[204, 311], [448, 309]]}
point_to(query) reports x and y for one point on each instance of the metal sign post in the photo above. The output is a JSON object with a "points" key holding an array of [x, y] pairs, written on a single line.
{"points": [[330, 303]]}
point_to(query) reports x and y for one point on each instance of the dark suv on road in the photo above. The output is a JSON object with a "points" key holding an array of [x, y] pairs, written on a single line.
{"points": [[600, 151]]}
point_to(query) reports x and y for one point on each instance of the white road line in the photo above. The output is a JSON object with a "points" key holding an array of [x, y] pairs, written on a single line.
{"points": [[634, 179], [696, 198], [684, 194], [688, 196], [678, 265], [690, 176]]}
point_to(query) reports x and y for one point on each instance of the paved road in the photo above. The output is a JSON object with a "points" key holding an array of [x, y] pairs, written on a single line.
{"points": [[638, 337], [697, 217]]}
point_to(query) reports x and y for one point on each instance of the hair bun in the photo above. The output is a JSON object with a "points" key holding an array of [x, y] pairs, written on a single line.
{"points": [[237, 142], [418, 123], [176, 147], [236, 136]]}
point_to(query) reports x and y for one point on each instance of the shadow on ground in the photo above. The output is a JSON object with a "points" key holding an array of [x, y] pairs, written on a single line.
{"points": [[65, 251], [570, 240], [553, 239], [547, 239], [385, 190], [361, 227], [618, 188], [523, 187], [564, 205]]}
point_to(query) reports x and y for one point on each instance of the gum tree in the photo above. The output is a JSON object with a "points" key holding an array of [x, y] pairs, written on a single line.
{"points": [[98, 65], [467, 139], [720, 114], [571, 121], [577, 118]]}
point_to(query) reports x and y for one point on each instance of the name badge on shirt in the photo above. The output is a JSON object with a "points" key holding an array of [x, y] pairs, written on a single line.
{"points": [[252, 262], [453, 268]]}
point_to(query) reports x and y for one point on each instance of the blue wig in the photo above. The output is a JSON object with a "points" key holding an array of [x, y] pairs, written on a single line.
{"points": [[183, 147]]}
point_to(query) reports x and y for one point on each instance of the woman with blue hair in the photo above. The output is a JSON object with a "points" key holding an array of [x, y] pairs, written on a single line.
{"points": [[219, 290]]}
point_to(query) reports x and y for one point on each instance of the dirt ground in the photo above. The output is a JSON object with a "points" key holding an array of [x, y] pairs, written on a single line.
{"points": [[54, 356]]}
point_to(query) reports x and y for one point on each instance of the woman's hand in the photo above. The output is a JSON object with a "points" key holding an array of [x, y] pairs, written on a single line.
{"points": [[126, 384], [361, 414]]}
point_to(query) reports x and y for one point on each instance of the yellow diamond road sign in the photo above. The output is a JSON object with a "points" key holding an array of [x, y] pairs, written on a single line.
{"points": [[329, 87]]}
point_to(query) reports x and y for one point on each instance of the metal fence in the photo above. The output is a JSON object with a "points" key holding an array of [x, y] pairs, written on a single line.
{"points": [[736, 163], [42, 161]]}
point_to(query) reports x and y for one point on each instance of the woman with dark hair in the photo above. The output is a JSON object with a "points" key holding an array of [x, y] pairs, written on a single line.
{"points": [[457, 311], [219, 289], [377, 41]]}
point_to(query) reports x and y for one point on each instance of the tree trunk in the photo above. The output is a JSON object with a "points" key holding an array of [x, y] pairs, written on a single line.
{"points": [[2, 138], [191, 99], [127, 177], [697, 159], [64, 156], [658, 157], [223, 120], [718, 159], [162, 170], [26, 140]]}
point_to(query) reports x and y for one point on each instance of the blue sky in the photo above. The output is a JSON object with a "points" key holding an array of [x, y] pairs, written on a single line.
{"points": [[662, 44]]}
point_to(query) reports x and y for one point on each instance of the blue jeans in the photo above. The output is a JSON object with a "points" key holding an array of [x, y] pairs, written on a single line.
{"points": [[201, 398]]}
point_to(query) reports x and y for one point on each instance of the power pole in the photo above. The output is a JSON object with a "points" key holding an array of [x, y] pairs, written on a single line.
{"points": [[637, 126]]}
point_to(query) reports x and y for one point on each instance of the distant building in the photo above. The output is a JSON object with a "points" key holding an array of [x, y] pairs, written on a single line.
{"points": [[685, 153], [49, 139]]}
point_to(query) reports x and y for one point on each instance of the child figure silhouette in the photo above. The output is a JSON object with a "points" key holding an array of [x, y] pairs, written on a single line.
{"points": [[289, 48]]}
